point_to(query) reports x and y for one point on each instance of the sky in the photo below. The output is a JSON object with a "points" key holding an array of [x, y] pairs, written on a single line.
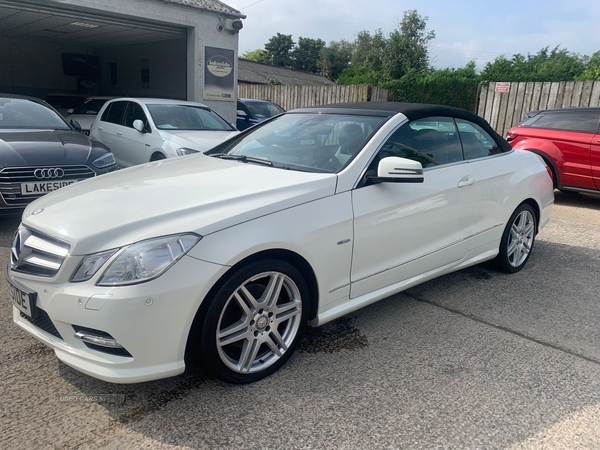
{"points": [[478, 30]]}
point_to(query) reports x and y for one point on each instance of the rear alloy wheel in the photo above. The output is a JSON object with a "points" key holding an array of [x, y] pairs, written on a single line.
{"points": [[254, 323], [517, 240]]}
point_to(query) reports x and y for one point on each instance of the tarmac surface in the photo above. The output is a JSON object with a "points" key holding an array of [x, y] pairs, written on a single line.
{"points": [[475, 359]]}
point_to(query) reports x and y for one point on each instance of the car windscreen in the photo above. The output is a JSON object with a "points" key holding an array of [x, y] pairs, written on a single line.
{"points": [[91, 107], [16, 113], [262, 110], [185, 117], [308, 142]]}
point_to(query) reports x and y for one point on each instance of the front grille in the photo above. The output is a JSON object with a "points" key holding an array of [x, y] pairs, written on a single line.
{"points": [[43, 322], [35, 253], [12, 177]]}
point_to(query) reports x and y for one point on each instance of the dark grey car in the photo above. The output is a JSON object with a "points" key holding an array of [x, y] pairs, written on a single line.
{"points": [[40, 152]]}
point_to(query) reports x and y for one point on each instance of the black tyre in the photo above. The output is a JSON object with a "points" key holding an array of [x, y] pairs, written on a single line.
{"points": [[254, 321], [517, 240]]}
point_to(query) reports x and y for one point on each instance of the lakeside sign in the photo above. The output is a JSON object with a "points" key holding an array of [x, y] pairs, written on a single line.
{"points": [[219, 73]]}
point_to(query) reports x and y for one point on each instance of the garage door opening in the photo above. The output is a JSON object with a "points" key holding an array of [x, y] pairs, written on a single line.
{"points": [[76, 52]]}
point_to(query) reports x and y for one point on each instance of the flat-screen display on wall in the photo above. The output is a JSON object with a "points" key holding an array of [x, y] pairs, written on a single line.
{"points": [[81, 65]]}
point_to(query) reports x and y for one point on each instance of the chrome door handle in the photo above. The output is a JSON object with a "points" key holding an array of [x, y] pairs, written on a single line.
{"points": [[100, 128], [119, 133], [467, 182]]}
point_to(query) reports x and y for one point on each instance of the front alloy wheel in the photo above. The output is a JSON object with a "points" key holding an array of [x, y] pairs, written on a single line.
{"points": [[517, 240], [255, 321]]}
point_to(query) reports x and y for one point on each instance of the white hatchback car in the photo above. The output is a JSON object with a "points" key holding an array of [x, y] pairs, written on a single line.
{"points": [[139, 130], [227, 256]]}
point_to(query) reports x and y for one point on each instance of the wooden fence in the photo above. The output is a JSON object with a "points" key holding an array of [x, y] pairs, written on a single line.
{"points": [[291, 97], [504, 105]]}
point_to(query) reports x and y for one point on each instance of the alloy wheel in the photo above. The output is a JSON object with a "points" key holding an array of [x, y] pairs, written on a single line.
{"points": [[521, 237], [259, 322]]}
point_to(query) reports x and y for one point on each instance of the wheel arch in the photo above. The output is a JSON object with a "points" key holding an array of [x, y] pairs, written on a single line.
{"points": [[536, 209], [550, 163], [157, 155], [297, 261], [282, 254]]}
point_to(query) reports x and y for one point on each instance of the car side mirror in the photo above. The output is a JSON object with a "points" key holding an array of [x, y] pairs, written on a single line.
{"points": [[242, 114], [75, 124], [139, 125], [398, 170], [70, 111]]}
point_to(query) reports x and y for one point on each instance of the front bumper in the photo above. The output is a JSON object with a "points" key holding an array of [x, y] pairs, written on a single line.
{"points": [[150, 320]]}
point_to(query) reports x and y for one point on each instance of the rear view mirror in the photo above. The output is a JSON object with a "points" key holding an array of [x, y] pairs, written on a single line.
{"points": [[75, 124], [398, 170], [139, 125]]}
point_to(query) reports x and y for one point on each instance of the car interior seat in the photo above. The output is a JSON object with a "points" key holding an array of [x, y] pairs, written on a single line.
{"points": [[351, 138]]}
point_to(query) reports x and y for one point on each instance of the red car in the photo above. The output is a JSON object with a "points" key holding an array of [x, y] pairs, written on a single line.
{"points": [[569, 141]]}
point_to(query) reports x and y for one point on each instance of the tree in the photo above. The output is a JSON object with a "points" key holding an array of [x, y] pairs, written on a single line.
{"points": [[334, 58], [406, 47], [279, 50], [546, 65], [258, 55], [369, 51], [592, 69], [378, 58], [306, 54]]}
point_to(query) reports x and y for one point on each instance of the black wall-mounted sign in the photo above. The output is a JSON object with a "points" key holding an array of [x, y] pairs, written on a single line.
{"points": [[219, 74]]}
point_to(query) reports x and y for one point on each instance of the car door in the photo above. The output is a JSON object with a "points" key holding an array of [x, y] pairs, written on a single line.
{"points": [[136, 145], [402, 230], [570, 133], [489, 160], [108, 128]]}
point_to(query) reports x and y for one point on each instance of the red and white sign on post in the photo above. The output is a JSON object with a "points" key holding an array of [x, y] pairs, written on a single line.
{"points": [[502, 87]]}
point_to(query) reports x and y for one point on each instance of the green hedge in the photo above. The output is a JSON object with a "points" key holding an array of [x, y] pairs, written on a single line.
{"points": [[436, 89]]}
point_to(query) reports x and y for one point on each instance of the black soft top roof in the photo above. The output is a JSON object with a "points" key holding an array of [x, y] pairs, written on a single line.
{"points": [[412, 111]]}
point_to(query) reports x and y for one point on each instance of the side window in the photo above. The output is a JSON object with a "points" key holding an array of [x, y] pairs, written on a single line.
{"points": [[134, 112], [114, 114], [476, 142], [432, 141], [104, 117], [583, 122]]}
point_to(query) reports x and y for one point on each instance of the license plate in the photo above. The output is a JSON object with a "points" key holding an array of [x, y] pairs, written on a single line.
{"points": [[43, 187], [22, 297]]}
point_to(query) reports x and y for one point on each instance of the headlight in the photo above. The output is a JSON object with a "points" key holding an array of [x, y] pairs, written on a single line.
{"points": [[90, 265], [185, 151], [104, 161], [147, 260]]}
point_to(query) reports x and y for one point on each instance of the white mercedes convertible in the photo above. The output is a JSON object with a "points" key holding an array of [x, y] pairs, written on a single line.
{"points": [[227, 256]]}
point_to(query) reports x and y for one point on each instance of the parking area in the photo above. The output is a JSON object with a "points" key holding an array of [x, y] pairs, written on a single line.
{"points": [[475, 359]]}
